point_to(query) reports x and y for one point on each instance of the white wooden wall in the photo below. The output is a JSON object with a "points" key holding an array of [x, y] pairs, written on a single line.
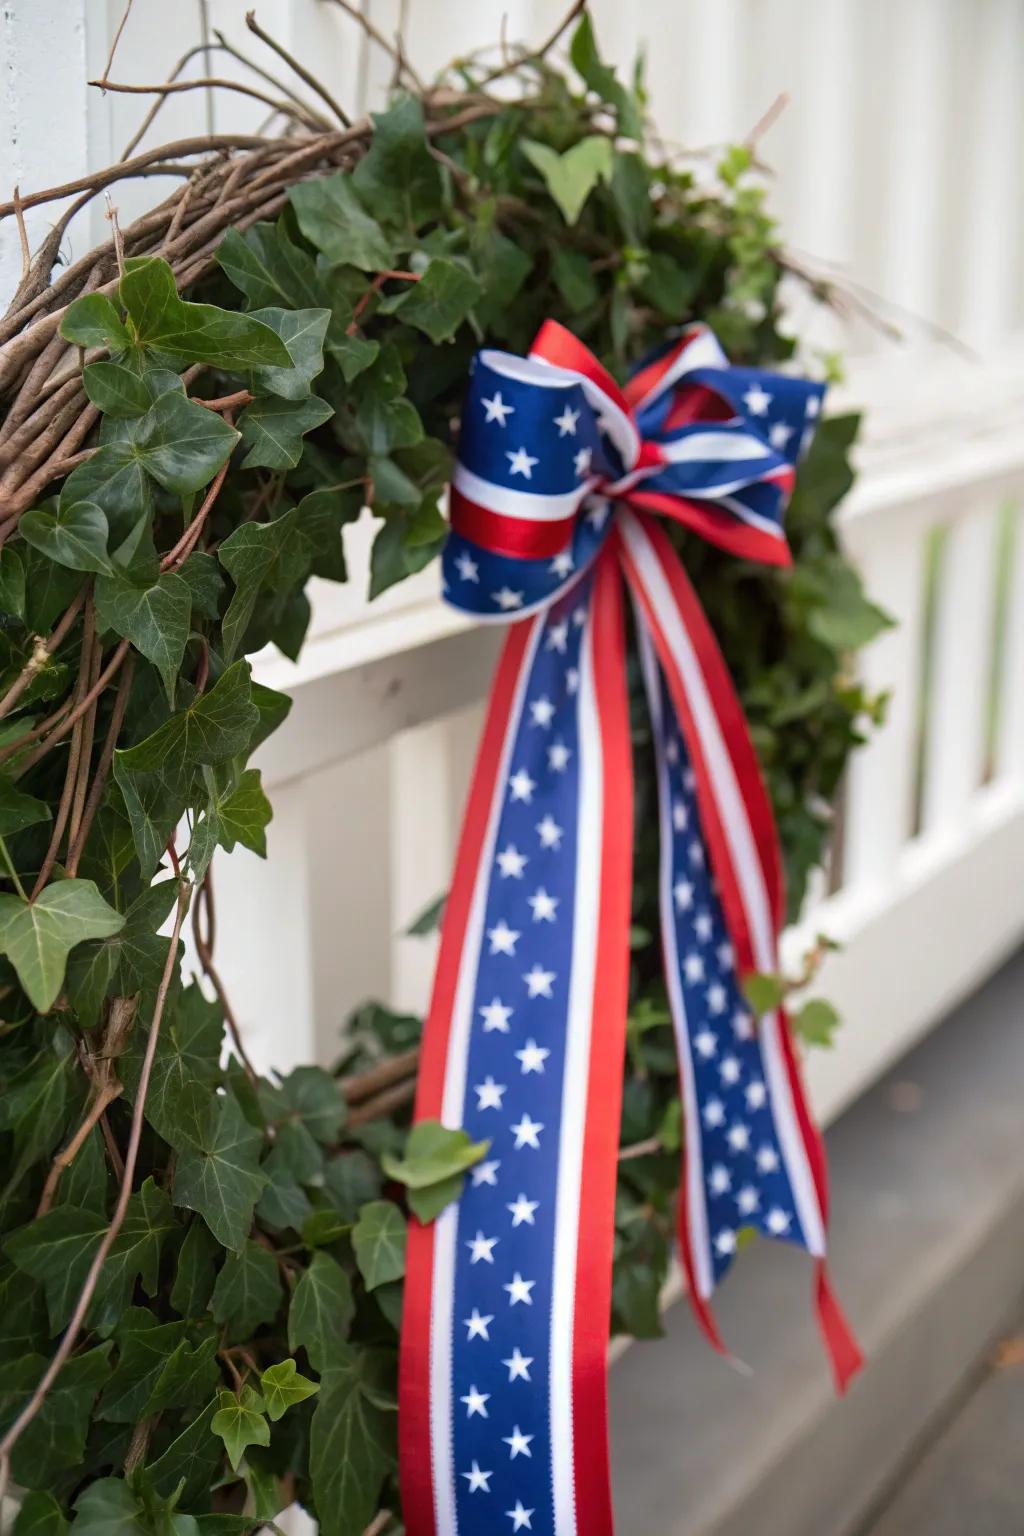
{"points": [[899, 164]]}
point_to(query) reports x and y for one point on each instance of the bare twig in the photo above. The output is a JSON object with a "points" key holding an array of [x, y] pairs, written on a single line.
{"points": [[41, 653], [82, 1305], [66, 1156], [767, 120], [26, 252], [364, 1085], [537, 54], [60, 730], [210, 83], [203, 928], [92, 805], [73, 767], [303, 73], [113, 47], [401, 62]]}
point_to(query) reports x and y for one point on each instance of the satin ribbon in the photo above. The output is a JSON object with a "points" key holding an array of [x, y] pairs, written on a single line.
{"points": [[560, 490]]}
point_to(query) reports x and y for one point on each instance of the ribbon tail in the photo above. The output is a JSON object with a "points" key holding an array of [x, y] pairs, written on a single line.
{"points": [[753, 1157], [508, 1292], [844, 1352]]}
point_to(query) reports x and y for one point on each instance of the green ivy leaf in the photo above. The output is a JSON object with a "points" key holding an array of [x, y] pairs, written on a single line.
{"points": [[155, 618], [239, 1422], [432, 1153], [193, 333], [55, 1440], [576, 282], [116, 390], [217, 1172], [135, 1252], [350, 1449], [398, 177], [204, 582], [18, 810], [108, 1508], [332, 218], [218, 724], [258, 556], [191, 1462], [303, 332], [196, 1273], [145, 1346], [248, 1291], [763, 991], [74, 536], [321, 1312], [378, 1239], [188, 1377], [601, 79], [283, 1386], [817, 1022], [181, 444], [93, 321], [244, 814], [273, 429], [32, 1104], [570, 178], [439, 302], [12, 583], [38, 936], [393, 558], [269, 269], [314, 1097], [40, 1515]]}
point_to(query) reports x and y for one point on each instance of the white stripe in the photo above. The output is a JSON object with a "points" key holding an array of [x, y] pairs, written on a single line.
{"points": [[532, 506], [746, 863], [575, 1083], [696, 1208], [702, 351], [722, 447], [446, 1227]]}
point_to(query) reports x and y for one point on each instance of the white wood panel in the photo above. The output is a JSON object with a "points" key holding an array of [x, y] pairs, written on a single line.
{"points": [[957, 710], [421, 850]]}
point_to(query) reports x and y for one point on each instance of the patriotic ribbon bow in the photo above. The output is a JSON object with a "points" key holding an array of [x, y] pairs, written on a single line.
{"points": [[560, 483]]}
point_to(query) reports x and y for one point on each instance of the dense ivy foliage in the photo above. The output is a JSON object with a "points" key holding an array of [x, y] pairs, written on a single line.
{"points": [[239, 1348]]}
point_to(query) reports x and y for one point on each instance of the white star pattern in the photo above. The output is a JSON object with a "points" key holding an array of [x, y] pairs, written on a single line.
{"points": [[519, 1290], [543, 906], [522, 1210], [522, 786], [558, 637], [478, 1481], [533, 1056], [495, 1016], [558, 757], [542, 712], [581, 462], [467, 567], [518, 1365], [779, 435], [496, 408], [507, 599], [478, 1326], [503, 938], [520, 1517], [682, 893], [748, 1200], [475, 1402], [511, 862], [566, 423], [518, 1443], [489, 1094], [481, 1248], [527, 1133], [538, 981], [485, 1173], [706, 1043], [757, 400], [520, 463], [549, 832], [562, 565]]}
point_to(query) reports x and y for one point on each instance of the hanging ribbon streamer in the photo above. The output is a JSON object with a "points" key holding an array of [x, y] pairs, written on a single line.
{"points": [[560, 484]]}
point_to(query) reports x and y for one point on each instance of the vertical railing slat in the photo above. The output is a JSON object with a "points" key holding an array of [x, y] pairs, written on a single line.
{"points": [[957, 703], [881, 787], [1009, 762]]}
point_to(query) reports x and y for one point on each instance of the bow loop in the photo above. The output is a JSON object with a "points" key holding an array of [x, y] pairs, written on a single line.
{"points": [[549, 441]]}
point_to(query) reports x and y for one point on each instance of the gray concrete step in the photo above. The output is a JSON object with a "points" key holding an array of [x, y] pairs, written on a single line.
{"points": [[969, 1482], [928, 1253]]}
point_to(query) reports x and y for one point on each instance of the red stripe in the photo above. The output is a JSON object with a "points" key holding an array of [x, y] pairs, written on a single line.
{"points": [[640, 384], [525, 538], [415, 1458], [723, 529], [556, 345], [604, 1091]]}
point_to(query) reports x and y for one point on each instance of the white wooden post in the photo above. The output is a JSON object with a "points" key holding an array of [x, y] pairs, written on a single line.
{"points": [[961, 669], [421, 851], [1010, 730], [881, 785]]}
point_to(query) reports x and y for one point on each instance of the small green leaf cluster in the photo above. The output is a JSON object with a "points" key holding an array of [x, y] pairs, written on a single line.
{"points": [[240, 1347]]}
